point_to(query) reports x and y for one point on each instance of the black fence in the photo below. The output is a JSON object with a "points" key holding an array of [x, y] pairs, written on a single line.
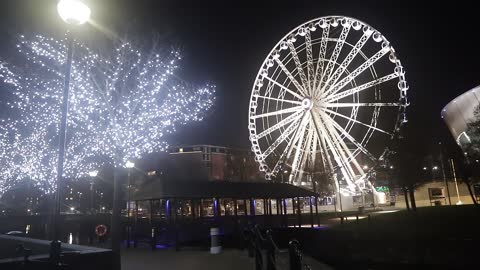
{"points": [[262, 247]]}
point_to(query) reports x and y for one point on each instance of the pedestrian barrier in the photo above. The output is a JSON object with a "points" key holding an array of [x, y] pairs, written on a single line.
{"points": [[268, 256]]}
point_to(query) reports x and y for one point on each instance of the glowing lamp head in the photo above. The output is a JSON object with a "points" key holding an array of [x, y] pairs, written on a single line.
{"points": [[72, 208], [129, 164], [93, 173], [73, 11]]}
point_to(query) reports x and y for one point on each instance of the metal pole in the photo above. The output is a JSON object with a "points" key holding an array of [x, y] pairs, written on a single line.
{"points": [[62, 140], [129, 224], [91, 196], [311, 211], [445, 178], [455, 178], [115, 223]]}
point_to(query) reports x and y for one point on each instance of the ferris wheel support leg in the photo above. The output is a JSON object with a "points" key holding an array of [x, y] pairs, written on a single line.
{"points": [[338, 196]]}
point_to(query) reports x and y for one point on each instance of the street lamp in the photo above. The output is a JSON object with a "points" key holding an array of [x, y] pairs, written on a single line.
{"points": [[129, 166], [73, 12]]}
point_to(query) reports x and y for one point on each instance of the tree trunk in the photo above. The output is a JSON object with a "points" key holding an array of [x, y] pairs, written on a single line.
{"points": [[115, 224], [471, 192], [411, 190], [405, 192]]}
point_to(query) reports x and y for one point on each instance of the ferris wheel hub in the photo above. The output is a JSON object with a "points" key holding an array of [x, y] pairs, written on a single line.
{"points": [[307, 104]]}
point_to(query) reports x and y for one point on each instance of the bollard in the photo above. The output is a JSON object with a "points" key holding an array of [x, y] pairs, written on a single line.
{"points": [[216, 247], [153, 240]]}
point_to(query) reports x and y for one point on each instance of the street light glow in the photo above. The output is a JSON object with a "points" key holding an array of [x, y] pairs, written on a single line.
{"points": [[365, 167], [72, 208], [93, 173], [130, 164], [424, 168], [73, 11], [391, 166], [435, 168]]}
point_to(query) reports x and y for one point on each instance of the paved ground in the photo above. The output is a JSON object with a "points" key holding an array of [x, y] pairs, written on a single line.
{"points": [[144, 259], [230, 259]]}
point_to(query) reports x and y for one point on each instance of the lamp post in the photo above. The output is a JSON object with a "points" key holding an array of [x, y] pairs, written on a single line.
{"points": [[459, 202], [73, 12], [129, 166], [92, 174]]}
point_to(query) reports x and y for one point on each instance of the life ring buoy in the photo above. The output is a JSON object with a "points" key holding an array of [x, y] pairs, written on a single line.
{"points": [[101, 230]]}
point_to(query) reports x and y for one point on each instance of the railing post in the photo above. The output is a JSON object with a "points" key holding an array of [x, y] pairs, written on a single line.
{"points": [[55, 251], [294, 255], [270, 251]]}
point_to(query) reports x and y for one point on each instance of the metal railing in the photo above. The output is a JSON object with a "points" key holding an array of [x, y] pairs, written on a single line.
{"points": [[268, 256]]}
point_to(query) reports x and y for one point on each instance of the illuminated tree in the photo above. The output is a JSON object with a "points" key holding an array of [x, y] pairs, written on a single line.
{"points": [[121, 107]]}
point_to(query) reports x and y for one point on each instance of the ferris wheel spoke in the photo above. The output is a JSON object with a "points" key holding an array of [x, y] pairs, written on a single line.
{"points": [[291, 128], [333, 59], [346, 155], [288, 149], [303, 78], [333, 148], [293, 117], [321, 135], [356, 121], [283, 156], [336, 96], [286, 153], [298, 151], [372, 60], [286, 89], [279, 99], [372, 104], [310, 68], [313, 147], [352, 139], [348, 59], [321, 56], [284, 111], [349, 158], [306, 152]]}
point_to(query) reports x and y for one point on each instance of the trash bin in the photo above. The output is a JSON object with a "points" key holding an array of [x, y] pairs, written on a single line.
{"points": [[216, 247]]}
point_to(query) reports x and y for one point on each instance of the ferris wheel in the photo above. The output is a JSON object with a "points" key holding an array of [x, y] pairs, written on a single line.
{"points": [[326, 102]]}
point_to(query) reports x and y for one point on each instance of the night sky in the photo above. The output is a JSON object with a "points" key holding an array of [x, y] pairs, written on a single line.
{"points": [[225, 43]]}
